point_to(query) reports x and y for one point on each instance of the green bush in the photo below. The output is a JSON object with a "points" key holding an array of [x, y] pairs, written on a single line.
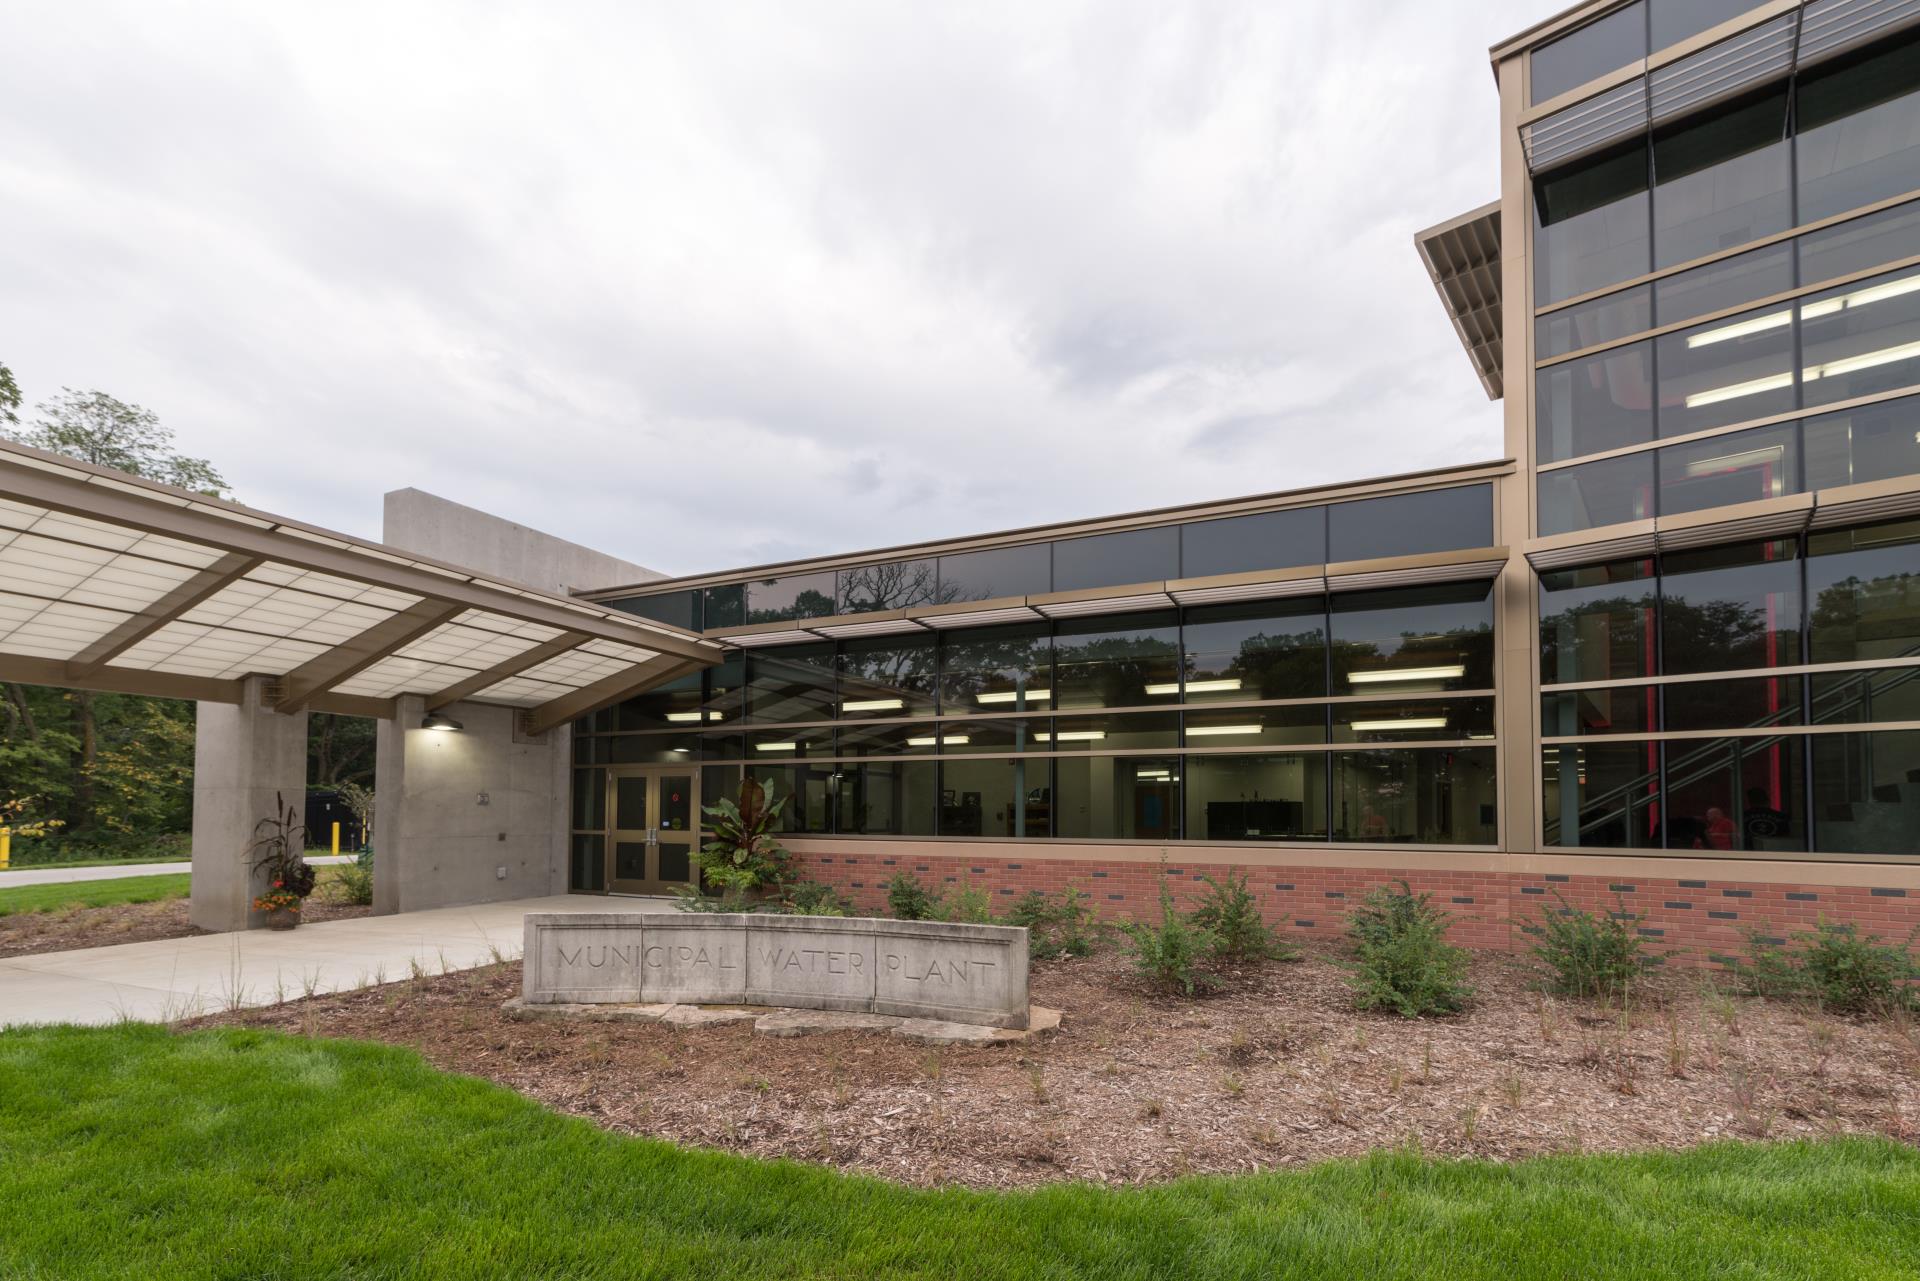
{"points": [[908, 899], [1600, 956], [1404, 962], [1231, 912], [1836, 965], [1171, 953], [811, 898], [1068, 927], [968, 907], [353, 882]]}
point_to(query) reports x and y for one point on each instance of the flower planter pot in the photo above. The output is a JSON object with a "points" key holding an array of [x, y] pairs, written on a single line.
{"points": [[283, 918]]}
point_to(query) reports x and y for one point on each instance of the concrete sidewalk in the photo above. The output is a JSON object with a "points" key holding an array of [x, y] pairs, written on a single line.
{"points": [[54, 874], [178, 978]]}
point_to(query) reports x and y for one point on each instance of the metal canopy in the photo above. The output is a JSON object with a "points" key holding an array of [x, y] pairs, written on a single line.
{"points": [[112, 583], [1463, 258]]}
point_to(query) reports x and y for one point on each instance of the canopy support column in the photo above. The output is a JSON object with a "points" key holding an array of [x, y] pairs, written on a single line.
{"points": [[247, 761]]}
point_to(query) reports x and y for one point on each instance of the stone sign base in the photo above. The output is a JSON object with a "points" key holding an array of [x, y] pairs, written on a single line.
{"points": [[790, 1022], [860, 965]]}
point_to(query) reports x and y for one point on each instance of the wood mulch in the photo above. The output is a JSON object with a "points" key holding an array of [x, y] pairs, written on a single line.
{"points": [[1136, 1086], [30, 933]]}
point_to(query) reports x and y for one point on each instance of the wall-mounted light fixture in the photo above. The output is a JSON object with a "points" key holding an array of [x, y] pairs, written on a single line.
{"points": [[440, 720]]}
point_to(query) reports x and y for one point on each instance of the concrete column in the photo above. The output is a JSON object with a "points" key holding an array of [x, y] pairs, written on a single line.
{"points": [[248, 761], [465, 816]]}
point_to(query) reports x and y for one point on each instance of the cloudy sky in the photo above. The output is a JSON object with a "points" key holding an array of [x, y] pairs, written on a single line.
{"points": [[715, 284]]}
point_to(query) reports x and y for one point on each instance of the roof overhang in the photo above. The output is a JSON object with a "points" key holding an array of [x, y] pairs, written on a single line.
{"points": [[113, 583], [1462, 256]]}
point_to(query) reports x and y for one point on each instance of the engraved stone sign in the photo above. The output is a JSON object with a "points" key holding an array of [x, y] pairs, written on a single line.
{"points": [[917, 969]]}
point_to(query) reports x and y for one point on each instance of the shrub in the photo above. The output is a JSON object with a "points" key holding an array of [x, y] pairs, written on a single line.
{"points": [[1065, 928], [1170, 954], [742, 854], [1836, 965], [353, 882], [1232, 913], [811, 898], [1405, 963], [907, 898], [968, 907], [1601, 956]]}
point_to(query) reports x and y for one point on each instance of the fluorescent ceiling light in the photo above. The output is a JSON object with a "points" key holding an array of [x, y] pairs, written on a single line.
{"points": [[776, 747], [1866, 360], [1407, 722], [1808, 311], [1742, 328], [1207, 731], [872, 705], [931, 741], [1013, 695], [1734, 391], [1154, 775], [1728, 462], [1073, 736], [1197, 687], [693, 716], [1453, 672]]}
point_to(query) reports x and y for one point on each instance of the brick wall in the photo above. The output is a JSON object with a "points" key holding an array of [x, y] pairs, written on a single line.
{"points": [[1696, 921]]}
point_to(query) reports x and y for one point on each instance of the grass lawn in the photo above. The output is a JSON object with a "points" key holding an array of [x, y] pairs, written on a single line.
{"points": [[137, 1152], [126, 889], [24, 862]]}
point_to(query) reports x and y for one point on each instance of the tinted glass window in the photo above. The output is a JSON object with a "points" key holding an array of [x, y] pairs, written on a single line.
{"points": [[867, 588], [1002, 571], [804, 794], [1432, 796], [1722, 179], [1606, 45], [1735, 796], [1863, 786], [1861, 339], [1597, 623], [1406, 722], [1863, 586], [1758, 273], [590, 799], [887, 676], [997, 669], [1273, 649], [587, 868], [1590, 225], [1632, 709], [678, 609], [1586, 406], [1588, 324], [1860, 244], [1413, 640], [791, 683], [725, 690], [1107, 560], [1272, 797], [1676, 20], [1872, 442], [1744, 704], [724, 606], [1594, 494], [678, 703], [1110, 733], [1406, 524], [1267, 540], [1257, 726], [998, 737], [986, 797], [893, 798], [772, 600], [1128, 798], [1856, 697], [1859, 130], [887, 740], [1117, 661], [1725, 608], [1601, 795], [1721, 470], [1726, 371]]}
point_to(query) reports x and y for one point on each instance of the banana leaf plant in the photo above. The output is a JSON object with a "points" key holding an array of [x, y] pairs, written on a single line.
{"points": [[742, 856]]}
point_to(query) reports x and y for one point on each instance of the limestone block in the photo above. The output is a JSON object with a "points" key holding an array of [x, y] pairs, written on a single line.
{"points": [[695, 958], [585, 957], [810, 962], [960, 973]]}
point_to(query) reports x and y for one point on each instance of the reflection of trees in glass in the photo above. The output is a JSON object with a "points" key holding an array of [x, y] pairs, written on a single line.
{"points": [[1597, 639], [1282, 665], [1866, 618], [1471, 648], [903, 669], [1710, 634], [895, 586], [1109, 671], [977, 662]]}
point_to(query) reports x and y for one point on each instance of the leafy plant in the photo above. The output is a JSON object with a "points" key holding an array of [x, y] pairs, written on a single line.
{"points": [[908, 899], [353, 882], [812, 898], [1836, 965], [1230, 910], [1170, 954], [1404, 961], [743, 855], [1068, 927], [1589, 954], [279, 850], [968, 907], [278, 900]]}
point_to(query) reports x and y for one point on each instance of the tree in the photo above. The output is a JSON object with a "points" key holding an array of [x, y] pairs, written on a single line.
{"points": [[96, 428], [9, 397]]}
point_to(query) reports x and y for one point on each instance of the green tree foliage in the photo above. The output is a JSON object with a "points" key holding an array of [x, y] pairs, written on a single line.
{"points": [[9, 397], [96, 428]]}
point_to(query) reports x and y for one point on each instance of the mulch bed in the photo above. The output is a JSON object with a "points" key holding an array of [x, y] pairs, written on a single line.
{"points": [[1136, 1086], [30, 933]]}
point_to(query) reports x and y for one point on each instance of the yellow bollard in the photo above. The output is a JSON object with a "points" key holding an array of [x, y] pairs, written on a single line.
{"points": [[336, 840], [6, 847]]}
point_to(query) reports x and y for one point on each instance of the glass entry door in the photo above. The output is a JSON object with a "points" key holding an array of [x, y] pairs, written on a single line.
{"points": [[653, 816]]}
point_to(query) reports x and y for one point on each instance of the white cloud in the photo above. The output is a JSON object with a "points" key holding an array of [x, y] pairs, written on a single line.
{"points": [[711, 285]]}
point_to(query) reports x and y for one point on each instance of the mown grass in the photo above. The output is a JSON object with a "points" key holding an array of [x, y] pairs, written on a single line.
{"points": [[66, 894], [138, 1152]]}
